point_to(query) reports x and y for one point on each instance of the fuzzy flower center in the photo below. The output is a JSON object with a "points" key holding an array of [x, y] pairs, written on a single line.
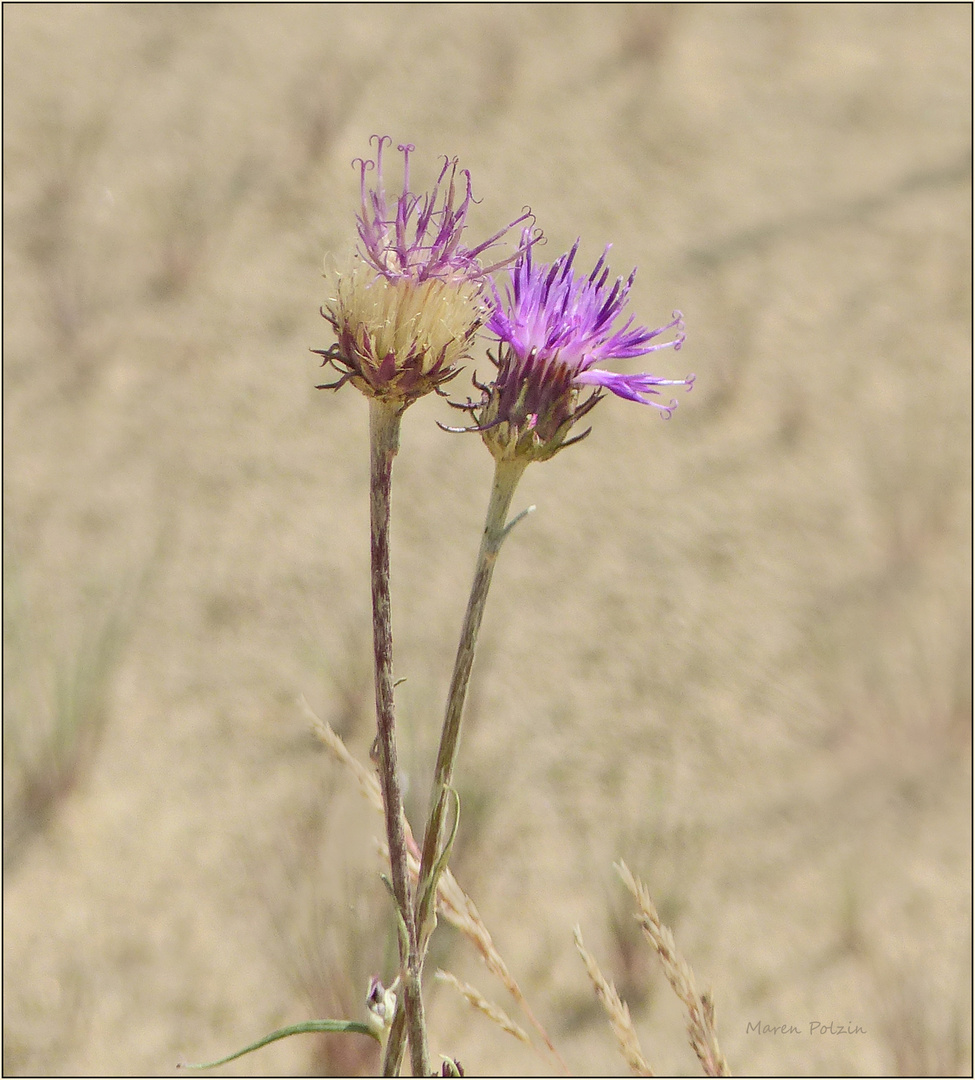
{"points": [[429, 322]]}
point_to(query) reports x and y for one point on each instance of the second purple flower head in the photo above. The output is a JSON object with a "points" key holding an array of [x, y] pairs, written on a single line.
{"points": [[553, 327]]}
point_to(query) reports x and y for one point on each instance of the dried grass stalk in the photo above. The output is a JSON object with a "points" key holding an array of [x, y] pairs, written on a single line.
{"points": [[699, 1006], [617, 1011], [460, 911], [477, 1001]]}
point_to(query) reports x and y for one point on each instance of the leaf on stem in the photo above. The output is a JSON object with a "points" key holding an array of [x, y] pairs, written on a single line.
{"points": [[356, 1027]]}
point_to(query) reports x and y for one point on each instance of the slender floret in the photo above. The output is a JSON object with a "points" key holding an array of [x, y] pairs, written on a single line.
{"points": [[553, 328], [408, 307]]}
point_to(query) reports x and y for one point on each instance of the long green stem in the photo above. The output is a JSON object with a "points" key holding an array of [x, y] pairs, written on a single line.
{"points": [[506, 477], [384, 425]]}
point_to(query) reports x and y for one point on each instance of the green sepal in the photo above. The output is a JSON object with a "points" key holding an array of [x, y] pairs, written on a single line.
{"points": [[354, 1026]]}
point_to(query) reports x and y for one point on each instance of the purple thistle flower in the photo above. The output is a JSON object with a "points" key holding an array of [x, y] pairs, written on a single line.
{"points": [[553, 327], [406, 311], [420, 236], [571, 319]]}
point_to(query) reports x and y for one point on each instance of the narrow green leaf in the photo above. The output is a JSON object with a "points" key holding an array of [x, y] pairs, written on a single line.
{"points": [[428, 891], [354, 1026]]}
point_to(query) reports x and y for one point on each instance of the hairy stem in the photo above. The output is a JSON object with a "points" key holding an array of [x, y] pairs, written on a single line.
{"points": [[384, 425], [506, 477]]}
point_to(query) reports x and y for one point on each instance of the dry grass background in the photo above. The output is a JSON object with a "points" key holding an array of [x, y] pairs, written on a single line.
{"points": [[733, 649]]}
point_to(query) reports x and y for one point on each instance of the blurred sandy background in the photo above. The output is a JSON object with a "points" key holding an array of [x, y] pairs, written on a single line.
{"points": [[733, 649]]}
